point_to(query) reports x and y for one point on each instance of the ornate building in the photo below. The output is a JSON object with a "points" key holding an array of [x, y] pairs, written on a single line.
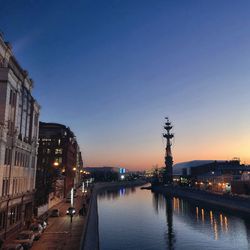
{"points": [[19, 114]]}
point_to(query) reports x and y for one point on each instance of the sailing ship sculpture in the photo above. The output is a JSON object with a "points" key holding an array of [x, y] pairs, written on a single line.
{"points": [[168, 173]]}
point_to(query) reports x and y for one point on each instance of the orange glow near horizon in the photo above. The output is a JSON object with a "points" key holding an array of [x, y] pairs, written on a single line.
{"points": [[220, 144], [146, 162]]}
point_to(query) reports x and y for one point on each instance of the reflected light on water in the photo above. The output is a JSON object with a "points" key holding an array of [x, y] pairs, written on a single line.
{"points": [[221, 221], [211, 217], [197, 213], [215, 230], [202, 215], [143, 220], [226, 224]]}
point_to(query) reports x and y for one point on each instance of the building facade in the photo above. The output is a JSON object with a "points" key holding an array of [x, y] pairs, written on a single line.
{"points": [[79, 169], [105, 173], [19, 115], [219, 176], [58, 162]]}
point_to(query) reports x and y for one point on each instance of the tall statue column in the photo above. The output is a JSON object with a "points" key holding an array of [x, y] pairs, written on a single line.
{"points": [[168, 175]]}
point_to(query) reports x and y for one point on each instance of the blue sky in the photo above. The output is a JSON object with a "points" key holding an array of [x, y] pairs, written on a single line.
{"points": [[112, 70]]}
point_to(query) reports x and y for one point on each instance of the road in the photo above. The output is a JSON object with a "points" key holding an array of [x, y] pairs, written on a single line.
{"points": [[60, 232]]}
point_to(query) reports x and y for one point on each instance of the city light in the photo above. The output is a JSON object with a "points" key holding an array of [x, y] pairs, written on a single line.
{"points": [[83, 187], [113, 72], [72, 196]]}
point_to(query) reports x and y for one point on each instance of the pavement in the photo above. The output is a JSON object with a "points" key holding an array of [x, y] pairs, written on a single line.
{"points": [[60, 233]]}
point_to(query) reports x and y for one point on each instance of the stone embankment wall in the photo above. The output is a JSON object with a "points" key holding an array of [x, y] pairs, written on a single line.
{"points": [[90, 236], [226, 201]]}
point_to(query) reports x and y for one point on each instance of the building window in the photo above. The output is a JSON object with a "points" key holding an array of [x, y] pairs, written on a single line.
{"points": [[15, 158], [18, 213], [7, 158], [10, 100], [2, 220], [15, 214], [5, 187], [13, 186], [21, 159], [58, 151], [33, 161]]}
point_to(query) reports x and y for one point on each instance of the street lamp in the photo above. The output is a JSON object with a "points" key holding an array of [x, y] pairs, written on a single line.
{"points": [[56, 164]]}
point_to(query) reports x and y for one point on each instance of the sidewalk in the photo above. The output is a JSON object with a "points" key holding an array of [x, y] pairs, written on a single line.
{"points": [[60, 232]]}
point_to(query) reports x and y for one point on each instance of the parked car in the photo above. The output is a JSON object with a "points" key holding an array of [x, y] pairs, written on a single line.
{"points": [[25, 238], [43, 223], [12, 246], [55, 213], [71, 211], [37, 229]]}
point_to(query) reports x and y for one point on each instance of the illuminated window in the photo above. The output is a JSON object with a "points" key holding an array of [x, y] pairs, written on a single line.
{"points": [[58, 151]]}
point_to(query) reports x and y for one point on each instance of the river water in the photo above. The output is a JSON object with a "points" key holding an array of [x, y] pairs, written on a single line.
{"points": [[135, 219]]}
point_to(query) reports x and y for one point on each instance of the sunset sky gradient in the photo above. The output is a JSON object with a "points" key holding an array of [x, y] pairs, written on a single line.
{"points": [[112, 70]]}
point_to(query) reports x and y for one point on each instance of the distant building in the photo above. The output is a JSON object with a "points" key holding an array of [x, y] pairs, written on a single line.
{"points": [[104, 173], [219, 176], [19, 114], [58, 162]]}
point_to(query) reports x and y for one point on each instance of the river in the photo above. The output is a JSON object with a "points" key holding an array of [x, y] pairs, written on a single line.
{"points": [[135, 219]]}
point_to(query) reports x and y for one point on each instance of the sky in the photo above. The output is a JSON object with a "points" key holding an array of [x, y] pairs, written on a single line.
{"points": [[112, 70]]}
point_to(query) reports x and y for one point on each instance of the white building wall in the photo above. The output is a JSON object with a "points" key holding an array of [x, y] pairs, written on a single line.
{"points": [[20, 170]]}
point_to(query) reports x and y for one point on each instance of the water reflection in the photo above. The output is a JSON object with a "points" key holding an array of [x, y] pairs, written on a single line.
{"points": [[247, 226], [191, 215], [165, 203], [170, 233], [144, 220], [115, 193]]}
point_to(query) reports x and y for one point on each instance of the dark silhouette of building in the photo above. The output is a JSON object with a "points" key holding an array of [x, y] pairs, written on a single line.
{"points": [[103, 173], [58, 154]]}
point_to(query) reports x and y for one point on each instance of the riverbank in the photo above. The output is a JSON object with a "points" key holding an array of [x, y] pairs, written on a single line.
{"points": [[90, 236], [226, 202]]}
